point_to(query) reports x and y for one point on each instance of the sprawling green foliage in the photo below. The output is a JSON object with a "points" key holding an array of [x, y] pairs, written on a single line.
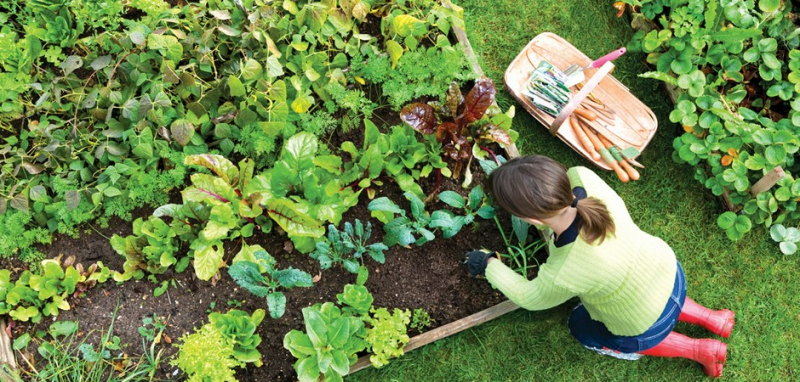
{"points": [[104, 101], [735, 64]]}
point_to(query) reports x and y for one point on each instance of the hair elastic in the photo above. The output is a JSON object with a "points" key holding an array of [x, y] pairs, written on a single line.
{"points": [[575, 203]]}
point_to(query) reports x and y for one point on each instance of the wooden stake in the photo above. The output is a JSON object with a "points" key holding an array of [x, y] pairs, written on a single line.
{"points": [[6, 353], [769, 180], [447, 330]]}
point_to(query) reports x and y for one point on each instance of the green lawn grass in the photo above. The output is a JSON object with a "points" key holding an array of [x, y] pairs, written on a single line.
{"points": [[750, 277]]}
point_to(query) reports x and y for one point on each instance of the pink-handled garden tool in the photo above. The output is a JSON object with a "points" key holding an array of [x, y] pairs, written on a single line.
{"points": [[574, 72]]}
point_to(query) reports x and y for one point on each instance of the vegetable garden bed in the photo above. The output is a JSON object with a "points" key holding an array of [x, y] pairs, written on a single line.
{"points": [[428, 277]]}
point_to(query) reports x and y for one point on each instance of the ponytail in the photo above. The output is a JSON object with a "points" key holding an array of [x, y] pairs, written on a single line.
{"points": [[538, 187], [597, 222]]}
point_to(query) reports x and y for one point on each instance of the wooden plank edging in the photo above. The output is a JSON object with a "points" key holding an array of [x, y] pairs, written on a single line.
{"points": [[447, 330]]}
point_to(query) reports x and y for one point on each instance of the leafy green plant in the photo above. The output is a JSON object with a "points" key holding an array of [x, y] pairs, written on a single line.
{"points": [[387, 334], [303, 190], [460, 124], [419, 73], [450, 223], [399, 228], [329, 345], [206, 355], [152, 248], [35, 295], [408, 159], [786, 237], [255, 270], [735, 226], [421, 320], [355, 299], [240, 328], [348, 247], [226, 204]]}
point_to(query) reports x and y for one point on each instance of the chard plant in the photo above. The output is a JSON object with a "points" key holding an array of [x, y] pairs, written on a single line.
{"points": [[255, 270], [226, 205], [462, 124], [348, 247], [304, 190], [36, 295]]}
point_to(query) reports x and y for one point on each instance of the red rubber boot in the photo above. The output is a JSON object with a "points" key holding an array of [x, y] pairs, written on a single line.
{"points": [[710, 353], [719, 322]]}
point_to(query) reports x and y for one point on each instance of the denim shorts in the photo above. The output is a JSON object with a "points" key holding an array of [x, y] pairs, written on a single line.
{"points": [[594, 334]]}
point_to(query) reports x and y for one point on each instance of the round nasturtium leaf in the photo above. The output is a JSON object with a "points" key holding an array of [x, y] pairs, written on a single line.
{"points": [[742, 224], [726, 220], [775, 154], [788, 248], [769, 5]]}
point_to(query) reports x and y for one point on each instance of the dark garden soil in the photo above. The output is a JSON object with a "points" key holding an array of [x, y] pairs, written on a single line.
{"points": [[431, 277]]}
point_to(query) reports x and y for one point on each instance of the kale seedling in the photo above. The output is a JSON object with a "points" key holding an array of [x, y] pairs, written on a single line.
{"points": [[348, 247], [254, 269], [402, 229]]}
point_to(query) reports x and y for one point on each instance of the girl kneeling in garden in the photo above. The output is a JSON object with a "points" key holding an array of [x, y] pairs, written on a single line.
{"points": [[632, 288]]}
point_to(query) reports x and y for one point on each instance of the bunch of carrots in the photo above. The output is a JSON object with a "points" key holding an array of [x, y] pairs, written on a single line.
{"points": [[599, 147]]}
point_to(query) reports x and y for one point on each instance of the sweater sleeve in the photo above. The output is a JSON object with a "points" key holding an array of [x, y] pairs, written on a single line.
{"points": [[537, 294]]}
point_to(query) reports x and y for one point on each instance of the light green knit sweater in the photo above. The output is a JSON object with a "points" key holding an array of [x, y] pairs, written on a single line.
{"points": [[624, 282]]}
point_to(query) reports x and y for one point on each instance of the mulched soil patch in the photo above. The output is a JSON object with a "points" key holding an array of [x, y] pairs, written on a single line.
{"points": [[431, 277]]}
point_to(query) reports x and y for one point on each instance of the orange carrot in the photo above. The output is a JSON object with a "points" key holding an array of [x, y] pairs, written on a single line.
{"points": [[584, 139]]}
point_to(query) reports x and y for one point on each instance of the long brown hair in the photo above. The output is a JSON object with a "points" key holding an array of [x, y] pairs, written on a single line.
{"points": [[537, 187]]}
